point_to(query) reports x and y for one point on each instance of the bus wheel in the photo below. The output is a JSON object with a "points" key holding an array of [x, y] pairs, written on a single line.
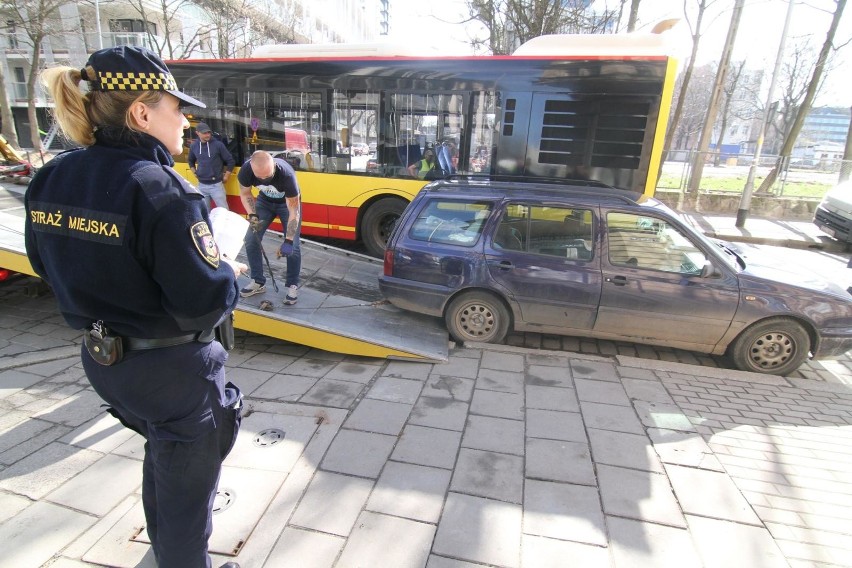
{"points": [[378, 222]]}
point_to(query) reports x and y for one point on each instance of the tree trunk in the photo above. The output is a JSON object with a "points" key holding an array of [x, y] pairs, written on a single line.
{"points": [[35, 65], [805, 108], [634, 13], [9, 132]]}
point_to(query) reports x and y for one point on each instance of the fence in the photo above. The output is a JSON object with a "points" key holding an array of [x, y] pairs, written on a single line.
{"points": [[798, 177]]}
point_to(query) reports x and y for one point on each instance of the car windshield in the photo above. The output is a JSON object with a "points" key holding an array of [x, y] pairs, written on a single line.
{"points": [[729, 253]]}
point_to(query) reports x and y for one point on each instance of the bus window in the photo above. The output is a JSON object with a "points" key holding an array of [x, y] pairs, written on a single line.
{"points": [[483, 136], [288, 126], [355, 119]]}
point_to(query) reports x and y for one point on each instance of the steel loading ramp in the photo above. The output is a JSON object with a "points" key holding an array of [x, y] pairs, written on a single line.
{"points": [[339, 309]]}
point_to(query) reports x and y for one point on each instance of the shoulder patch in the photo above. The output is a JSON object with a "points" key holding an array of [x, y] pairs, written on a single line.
{"points": [[205, 244]]}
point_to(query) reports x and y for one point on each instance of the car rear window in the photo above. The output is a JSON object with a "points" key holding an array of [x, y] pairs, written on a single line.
{"points": [[451, 222]]}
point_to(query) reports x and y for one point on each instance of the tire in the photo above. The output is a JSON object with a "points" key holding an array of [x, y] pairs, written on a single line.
{"points": [[778, 346], [378, 223], [477, 316]]}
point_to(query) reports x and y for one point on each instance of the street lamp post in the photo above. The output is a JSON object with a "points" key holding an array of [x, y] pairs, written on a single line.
{"points": [[98, 24]]}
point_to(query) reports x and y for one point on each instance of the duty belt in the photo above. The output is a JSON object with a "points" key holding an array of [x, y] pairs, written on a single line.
{"points": [[138, 344]]}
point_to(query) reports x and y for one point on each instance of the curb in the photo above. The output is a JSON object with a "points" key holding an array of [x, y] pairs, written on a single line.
{"points": [[825, 246]]}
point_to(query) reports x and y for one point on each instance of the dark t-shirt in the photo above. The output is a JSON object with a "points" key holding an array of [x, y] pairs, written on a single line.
{"points": [[282, 185]]}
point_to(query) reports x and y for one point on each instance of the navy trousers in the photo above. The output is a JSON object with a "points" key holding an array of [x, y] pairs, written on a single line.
{"points": [[266, 213], [177, 398]]}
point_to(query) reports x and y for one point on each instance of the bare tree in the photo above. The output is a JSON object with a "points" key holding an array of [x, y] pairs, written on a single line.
{"points": [[634, 14], [39, 19], [684, 134], [729, 90], [510, 23], [807, 102], [8, 120]]}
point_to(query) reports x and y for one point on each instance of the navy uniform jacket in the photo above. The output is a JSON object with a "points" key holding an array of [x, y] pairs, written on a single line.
{"points": [[122, 238]]}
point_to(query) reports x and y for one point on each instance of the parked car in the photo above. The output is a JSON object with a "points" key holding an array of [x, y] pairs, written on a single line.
{"points": [[833, 215], [360, 148], [590, 260]]}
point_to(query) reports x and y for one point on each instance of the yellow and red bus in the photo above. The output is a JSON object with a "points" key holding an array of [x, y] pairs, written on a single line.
{"points": [[354, 118]]}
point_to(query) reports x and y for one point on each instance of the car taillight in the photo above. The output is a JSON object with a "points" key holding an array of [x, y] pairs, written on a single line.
{"points": [[388, 262]]}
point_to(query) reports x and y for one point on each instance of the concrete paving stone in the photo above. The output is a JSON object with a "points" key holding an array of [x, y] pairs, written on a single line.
{"points": [[815, 553], [589, 390], [458, 367], [10, 419], [593, 370], [22, 398], [38, 405], [557, 460], [410, 491], [489, 474], [14, 380], [33, 444], [21, 432], [563, 511], [51, 368], [283, 387], [639, 495], [100, 487], [635, 543], [270, 362], [610, 417], [439, 413], [299, 548], [552, 398], [351, 371], [549, 376], [75, 410], [542, 552], [133, 448], [500, 381], [648, 390], [382, 540], [719, 497], [328, 392], [512, 362], [498, 404], [11, 505], [408, 370], [69, 563], [662, 415], [494, 434], [547, 359], [744, 545], [247, 379], [65, 391], [442, 562], [624, 450], [33, 536], [810, 536], [445, 386], [305, 367], [427, 446], [358, 453], [627, 372], [480, 530], [332, 503], [41, 472], [390, 389], [378, 416], [554, 425]]}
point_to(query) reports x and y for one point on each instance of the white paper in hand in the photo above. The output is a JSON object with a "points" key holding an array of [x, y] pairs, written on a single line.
{"points": [[229, 230]]}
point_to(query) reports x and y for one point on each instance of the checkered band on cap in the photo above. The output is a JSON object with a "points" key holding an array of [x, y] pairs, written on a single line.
{"points": [[130, 81]]}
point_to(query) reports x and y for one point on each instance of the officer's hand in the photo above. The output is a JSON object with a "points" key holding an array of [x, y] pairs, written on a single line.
{"points": [[254, 221], [238, 267], [286, 249]]}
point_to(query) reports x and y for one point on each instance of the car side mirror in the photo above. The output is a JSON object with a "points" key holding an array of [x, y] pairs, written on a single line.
{"points": [[709, 270]]}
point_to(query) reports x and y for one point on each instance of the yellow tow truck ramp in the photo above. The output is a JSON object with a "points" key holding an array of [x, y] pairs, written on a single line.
{"points": [[340, 308]]}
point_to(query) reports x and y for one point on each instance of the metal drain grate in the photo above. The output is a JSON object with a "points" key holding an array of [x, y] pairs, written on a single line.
{"points": [[223, 500], [268, 438]]}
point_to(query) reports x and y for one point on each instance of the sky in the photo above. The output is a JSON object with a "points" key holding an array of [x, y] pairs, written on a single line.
{"points": [[433, 25]]}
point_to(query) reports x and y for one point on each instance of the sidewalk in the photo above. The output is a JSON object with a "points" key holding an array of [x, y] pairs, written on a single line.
{"points": [[502, 457]]}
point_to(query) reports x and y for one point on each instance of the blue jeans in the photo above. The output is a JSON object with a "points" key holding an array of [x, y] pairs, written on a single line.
{"points": [[266, 212], [213, 192]]}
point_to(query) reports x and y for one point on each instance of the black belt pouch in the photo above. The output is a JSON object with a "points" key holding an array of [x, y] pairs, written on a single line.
{"points": [[225, 332], [104, 349]]}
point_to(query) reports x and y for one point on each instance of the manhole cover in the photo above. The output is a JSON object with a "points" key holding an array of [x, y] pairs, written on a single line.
{"points": [[269, 437], [224, 499]]}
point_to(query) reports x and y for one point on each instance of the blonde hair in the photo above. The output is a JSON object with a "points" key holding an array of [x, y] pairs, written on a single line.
{"points": [[79, 113]]}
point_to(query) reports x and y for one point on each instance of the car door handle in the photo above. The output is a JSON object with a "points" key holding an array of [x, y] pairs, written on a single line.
{"points": [[502, 264], [618, 280]]}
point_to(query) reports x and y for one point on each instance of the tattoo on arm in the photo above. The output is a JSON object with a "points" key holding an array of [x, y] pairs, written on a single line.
{"points": [[294, 209]]}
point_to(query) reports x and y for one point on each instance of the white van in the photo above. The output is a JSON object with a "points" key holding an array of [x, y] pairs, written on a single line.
{"points": [[834, 213]]}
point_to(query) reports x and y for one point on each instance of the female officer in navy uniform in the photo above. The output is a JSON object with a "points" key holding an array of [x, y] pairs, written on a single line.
{"points": [[126, 246]]}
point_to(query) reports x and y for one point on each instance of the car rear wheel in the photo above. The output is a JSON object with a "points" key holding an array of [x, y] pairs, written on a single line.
{"points": [[778, 346], [477, 316], [378, 223]]}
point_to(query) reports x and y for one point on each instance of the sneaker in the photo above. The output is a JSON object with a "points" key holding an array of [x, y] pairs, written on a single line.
{"points": [[292, 295], [252, 289]]}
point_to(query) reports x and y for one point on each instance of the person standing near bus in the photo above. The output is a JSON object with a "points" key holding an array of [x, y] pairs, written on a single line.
{"points": [[126, 245], [212, 164], [278, 196]]}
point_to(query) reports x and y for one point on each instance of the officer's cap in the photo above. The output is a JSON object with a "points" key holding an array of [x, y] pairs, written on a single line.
{"points": [[129, 68], [202, 127]]}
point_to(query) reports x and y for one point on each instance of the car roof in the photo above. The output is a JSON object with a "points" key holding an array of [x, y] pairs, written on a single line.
{"points": [[507, 187]]}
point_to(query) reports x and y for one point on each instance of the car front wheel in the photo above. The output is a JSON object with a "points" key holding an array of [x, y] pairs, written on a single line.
{"points": [[778, 346], [477, 316]]}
